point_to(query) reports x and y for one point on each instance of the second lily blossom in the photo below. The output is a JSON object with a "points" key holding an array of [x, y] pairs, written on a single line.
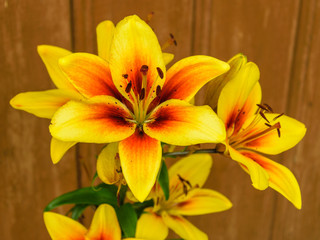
{"points": [[253, 129]]}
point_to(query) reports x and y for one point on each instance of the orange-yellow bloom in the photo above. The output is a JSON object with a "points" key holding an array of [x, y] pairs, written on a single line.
{"points": [[104, 226], [253, 129], [45, 103], [186, 177], [132, 99]]}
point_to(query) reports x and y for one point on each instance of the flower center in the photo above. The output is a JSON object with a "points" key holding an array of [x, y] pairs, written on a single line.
{"points": [[253, 130], [142, 97]]}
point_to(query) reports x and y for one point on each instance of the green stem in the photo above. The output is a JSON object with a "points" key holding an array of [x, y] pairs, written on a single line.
{"points": [[183, 153]]}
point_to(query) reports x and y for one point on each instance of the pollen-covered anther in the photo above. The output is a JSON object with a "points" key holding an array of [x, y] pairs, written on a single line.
{"points": [[142, 93], [129, 86], [263, 116], [169, 42], [276, 117], [160, 72], [185, 184], [173, 39], [144, 69]]}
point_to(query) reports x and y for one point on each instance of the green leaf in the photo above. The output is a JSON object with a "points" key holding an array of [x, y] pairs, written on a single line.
{"points": [[77, 210], [89, 195], [127, 219], [164, 180]]}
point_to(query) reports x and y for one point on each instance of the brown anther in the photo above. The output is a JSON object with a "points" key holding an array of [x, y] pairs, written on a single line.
{"points": [[185, 190], [262, 107], [144, 69], [263, 116], [269, 109], [128, 88], [160, 72], [119, 170], [142, 93], [278, 130], [275, 118], [158, 91], [189, 184], [173, 40], [125, 76]]}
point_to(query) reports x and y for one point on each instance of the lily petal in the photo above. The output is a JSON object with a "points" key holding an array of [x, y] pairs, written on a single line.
{"points": [[89, 74], [135, 45], [63, 228], [186, 77], [50, 55], [215, 87], [104, 225], [249, 108], [179, 123], [140, 157], [108, 165], [150, 226], [235, 93], [101, 119], [43, 103], [193, 168], [105, 31], [291, 132], [259, 176], [167, 58], [183, 227], [281, 178], [58, 149], [200, 201]]}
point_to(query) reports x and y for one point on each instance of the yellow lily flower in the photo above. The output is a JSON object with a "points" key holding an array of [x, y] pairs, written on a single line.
{"points": [[104, 226], [253, 129], [45, 103], [133, 101], [186, 177]]}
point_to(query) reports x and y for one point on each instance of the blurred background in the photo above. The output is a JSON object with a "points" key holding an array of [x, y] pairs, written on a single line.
{"points": [[281, 37]]}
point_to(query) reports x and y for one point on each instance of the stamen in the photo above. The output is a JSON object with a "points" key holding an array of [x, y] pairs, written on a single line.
{"points": [[172, 38], [125, 76], [268, 125], [144, 69], [268, 107], [142, 93], [278, 130], [128, 88], [184, 184], [263, 116], [262, 107], [158, 91], [275, 118], [160, 72], [169, 42]]}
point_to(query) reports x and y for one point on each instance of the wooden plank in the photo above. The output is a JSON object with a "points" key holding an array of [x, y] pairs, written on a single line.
{"points": [[29, 179], [303, 102], [265, 32]]}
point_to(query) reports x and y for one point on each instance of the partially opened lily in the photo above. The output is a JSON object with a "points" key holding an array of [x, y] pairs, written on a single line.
{"points": [[186, 177], [133, 100], [104, 226], [253, 129]]}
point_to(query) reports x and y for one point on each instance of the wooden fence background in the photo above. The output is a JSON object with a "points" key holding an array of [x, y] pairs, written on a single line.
{"points": [[282, 37]]}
